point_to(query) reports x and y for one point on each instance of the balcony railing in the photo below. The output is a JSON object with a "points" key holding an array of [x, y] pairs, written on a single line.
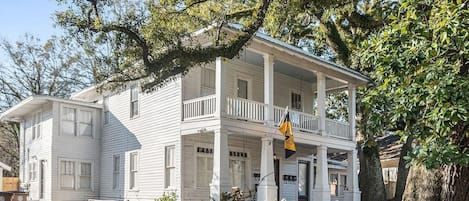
{"points": [[198, 108], [253, 111]]}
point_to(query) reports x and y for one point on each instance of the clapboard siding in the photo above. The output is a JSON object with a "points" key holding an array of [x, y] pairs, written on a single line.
{"points": [[157, 126], [78, 149]]}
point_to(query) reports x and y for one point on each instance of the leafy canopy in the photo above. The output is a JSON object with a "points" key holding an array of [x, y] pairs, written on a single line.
{"points": [[421, 63]]}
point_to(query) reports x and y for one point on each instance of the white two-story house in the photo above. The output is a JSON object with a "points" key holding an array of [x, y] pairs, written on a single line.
{"points": [[203, 134]]}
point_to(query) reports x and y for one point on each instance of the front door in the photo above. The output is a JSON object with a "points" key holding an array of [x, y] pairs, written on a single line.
{"points": [[303, 180]]}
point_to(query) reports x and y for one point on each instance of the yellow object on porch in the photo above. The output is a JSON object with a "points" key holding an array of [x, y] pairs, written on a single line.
{"points": [[286, 130]]}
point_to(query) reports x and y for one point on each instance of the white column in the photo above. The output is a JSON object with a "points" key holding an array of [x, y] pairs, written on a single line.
{"points": [[322, 191], [267, 189], [321, 84], [311, 179], [352, 110], [269, 88], [219, 86], [353, 191], [221, 177]]}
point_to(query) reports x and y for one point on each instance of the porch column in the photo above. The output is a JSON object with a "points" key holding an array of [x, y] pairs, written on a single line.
{"points": [[321, 98], [269, 88], [221, 177], [322, 191], [219, 86], [353, 191], [267, 189], [352, 110]]}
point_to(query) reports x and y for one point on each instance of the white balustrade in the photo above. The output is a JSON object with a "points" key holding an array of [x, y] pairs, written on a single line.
{"points": [[241, 108], [338, 129], [199, 107]]}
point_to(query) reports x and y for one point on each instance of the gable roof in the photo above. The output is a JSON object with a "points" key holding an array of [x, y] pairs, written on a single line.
{"points": [[5, 167]]}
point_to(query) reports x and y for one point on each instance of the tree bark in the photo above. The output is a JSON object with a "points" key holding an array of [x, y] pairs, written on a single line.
{"points": [[423, 184], [371, 177], [455, 183], [402, 170]]}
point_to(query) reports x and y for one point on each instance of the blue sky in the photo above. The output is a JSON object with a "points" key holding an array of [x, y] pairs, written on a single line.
{"points": [[34, 17], [18, 17]]}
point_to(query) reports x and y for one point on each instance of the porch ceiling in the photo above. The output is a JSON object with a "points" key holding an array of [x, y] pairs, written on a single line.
{"points": [[286, 69]]}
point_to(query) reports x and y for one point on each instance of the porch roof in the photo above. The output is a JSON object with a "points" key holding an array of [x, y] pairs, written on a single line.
{"points": [[25, 107]]}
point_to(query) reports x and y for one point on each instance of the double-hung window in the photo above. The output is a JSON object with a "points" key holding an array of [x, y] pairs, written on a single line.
{"points": [[68, 121], [170, 167], [85, 122], [67, 174], [296, 101], [85, 175], [133, 170], [208, 81], [36, 126], [33, 170], [133, 101], [116, 171]]}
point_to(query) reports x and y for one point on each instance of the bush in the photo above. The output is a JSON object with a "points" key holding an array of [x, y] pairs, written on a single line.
{"points": [[167, 197]]}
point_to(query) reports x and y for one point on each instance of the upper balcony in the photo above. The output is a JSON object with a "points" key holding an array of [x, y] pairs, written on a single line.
{"points": [[266, 77], [254, 111]]}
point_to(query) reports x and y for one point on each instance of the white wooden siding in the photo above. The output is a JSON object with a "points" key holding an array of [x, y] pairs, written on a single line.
{"points": [[157, 126]]}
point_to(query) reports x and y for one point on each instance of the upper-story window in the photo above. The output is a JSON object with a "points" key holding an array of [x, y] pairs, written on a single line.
{"points": [[33, 169], [68, 121], [107, 114], [116, 171], [242, 88], [208, 81], [77, 123], [36, 126], [296, 101], [134, 101]]}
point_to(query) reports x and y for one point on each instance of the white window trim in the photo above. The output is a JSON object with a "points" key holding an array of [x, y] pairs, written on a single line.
{"points": [[202, 87], [76, 171], [136, 179], [173, 146], [245, 77], [77, 122], [302, 99], [248, 171], [117, 186], [132, 116], [36, 126], [339, 174], [33, 169]]}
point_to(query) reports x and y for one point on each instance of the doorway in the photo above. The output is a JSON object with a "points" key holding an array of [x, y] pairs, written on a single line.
{"points": [[277, 176], [303, 180]]}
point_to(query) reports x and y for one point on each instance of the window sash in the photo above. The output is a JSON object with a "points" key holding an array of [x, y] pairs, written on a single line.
{"points": [[85, 176], [116, 171], [133, 170], [242, 88], [296, 101], [204, 171], [67, 174]]}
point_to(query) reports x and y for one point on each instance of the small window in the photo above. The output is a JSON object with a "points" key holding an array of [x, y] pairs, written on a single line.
{"points": [[67, 174], [296, 101], [33, 170], [36, 126], [133, 101], [68, 121], [85, 176], [133, 170], [170, 167], [334, 184], [107, 115], [242, 88], [116, 171]]}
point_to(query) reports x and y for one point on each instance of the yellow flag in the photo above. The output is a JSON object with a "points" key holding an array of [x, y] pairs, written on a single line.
{"points": [[286, 130]]}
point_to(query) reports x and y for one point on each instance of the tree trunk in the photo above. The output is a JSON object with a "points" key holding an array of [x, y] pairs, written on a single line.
{"points": [[423, 185], [371, 177], [455, 183], [402, 170]]}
